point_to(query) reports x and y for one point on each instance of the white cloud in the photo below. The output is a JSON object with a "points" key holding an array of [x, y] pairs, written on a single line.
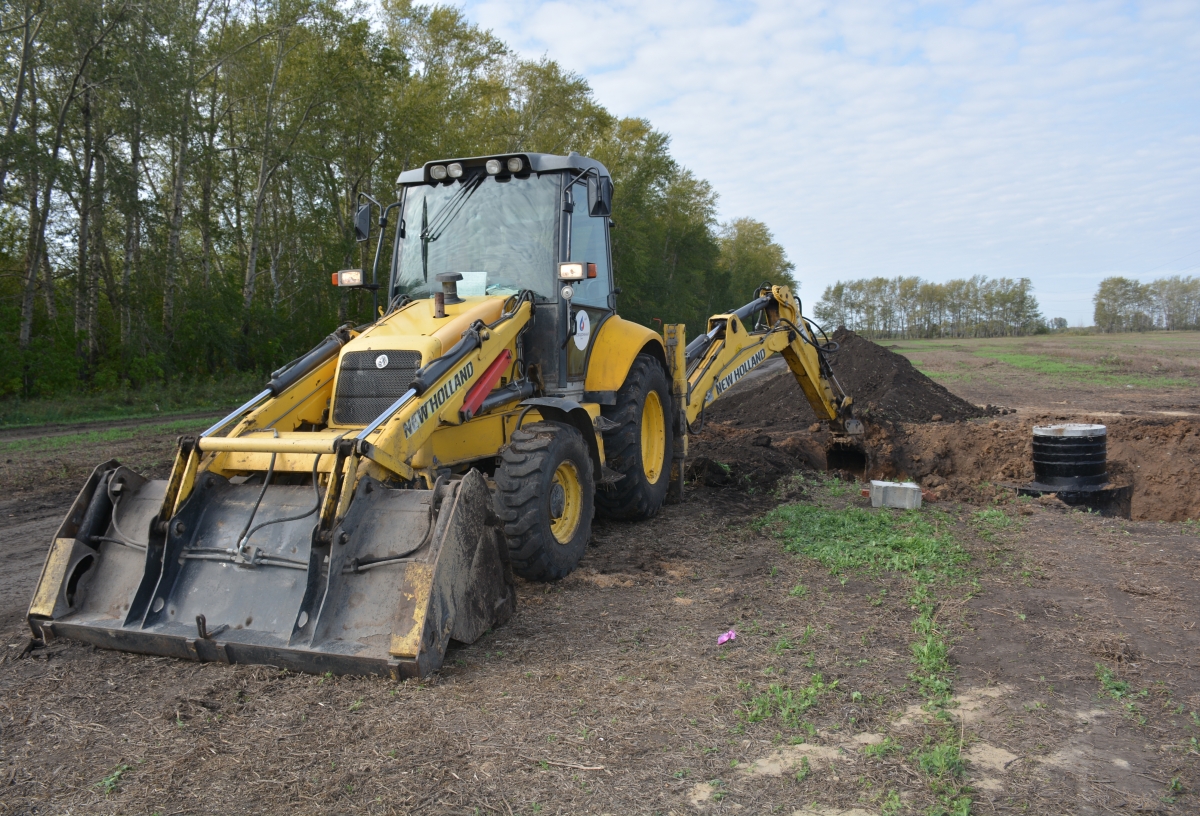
{"points": [[1056, 141]]}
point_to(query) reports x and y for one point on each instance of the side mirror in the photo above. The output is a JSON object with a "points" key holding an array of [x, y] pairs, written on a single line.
{"points": [[362, 223], [600, 193]]}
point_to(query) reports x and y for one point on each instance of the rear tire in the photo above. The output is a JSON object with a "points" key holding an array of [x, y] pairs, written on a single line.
{"points": [[641, 446], [545, 498]]}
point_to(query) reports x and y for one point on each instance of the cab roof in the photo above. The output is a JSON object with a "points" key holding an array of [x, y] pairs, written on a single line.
{"points": [[536, 162]]}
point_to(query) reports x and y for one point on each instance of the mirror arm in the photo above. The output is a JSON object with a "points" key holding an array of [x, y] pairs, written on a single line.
{"points": [[383, 215]]}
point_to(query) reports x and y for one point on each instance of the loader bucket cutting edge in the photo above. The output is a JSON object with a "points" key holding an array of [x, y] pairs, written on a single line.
{"points": [[404, 573]]}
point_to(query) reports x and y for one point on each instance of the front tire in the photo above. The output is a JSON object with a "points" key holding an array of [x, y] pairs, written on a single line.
{"points": [[545, 498], [641, 446]]}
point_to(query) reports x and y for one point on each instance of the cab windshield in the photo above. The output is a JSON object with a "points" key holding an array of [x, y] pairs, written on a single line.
{"points": [[500, 235]]}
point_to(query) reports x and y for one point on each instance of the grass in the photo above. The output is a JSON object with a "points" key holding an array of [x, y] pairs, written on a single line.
{"points": [[855, 538], [920, 546], [157, 400], [1153, 359], [1080, 372], [788, 703], [47, 444]]}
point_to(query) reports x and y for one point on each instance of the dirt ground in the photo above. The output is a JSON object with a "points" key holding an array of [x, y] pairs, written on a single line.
{"points": [[1072, 638]]}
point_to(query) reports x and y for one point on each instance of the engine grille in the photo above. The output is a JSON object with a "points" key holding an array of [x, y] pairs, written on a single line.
{"points": [[365, 390]]}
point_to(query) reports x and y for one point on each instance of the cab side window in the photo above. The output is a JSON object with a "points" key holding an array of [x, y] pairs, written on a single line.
{"points": [[589, 245]]}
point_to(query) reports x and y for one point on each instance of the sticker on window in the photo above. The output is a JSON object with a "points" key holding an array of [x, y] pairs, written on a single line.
{"points": [[583, 330], [473, 284]]}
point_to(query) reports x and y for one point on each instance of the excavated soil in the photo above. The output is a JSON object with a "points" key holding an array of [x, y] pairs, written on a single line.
{"points": [[884, 386], [917, 430], [1158, 456]]}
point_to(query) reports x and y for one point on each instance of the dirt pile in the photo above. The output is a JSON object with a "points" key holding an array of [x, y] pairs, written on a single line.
{"points": [[884, 386]]}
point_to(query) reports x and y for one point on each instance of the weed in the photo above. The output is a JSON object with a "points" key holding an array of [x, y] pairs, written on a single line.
{"points": [[1117, 689], [356, 705], [782, 645], [890, 806], [882, 749], [799, 591], [804, 771], [991, 521], [787, 702], [930, 654], [952, 806], [112, 783], [941, 761]]}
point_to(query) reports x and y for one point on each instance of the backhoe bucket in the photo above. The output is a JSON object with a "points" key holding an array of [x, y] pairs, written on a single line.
{"points": [[405, 572]]}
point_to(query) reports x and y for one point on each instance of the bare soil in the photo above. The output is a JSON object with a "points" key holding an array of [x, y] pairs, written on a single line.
{"points": [[607, 692]]}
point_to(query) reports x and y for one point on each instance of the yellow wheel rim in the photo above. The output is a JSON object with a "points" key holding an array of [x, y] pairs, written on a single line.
{"points": [[566, 502], [654, 437]]}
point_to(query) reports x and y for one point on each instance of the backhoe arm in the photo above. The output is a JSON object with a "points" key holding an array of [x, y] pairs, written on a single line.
{"points": [[730, 349]]}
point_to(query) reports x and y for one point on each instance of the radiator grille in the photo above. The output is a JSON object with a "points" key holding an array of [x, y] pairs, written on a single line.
{"points": [[365, 390]]}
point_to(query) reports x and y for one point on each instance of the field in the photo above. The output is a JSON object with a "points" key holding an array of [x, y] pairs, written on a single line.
{"points": [[982, 655]]}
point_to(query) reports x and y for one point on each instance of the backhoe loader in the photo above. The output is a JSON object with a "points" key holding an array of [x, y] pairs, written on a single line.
{"points": [[376, 499]]}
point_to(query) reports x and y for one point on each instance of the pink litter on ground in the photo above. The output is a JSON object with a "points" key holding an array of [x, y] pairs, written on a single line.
{"points": [[728, 636]]}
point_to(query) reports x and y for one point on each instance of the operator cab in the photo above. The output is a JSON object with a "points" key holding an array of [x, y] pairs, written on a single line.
{"points": [[523, 221]]}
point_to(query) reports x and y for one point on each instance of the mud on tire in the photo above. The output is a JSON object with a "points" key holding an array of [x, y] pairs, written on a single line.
{"points": [[637, 495], [544, 498]]}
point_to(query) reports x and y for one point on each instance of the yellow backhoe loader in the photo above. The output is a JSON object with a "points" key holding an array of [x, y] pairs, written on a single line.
{"points": [[374, 501]]}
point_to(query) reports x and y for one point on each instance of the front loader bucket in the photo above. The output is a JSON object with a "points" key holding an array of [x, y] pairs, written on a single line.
{"points": [[405, 572]]}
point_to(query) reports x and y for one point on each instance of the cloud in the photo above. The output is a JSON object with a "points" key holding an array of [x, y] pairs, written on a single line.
{"points": [[1056, 141]]}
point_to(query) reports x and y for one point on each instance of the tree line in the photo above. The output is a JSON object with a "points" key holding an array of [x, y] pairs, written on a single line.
{"points": [[1124, 305], [909, 307], [178, 178]]}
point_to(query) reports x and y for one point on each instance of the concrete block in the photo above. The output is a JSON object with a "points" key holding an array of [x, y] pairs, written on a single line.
{"points": [[905, 495]]}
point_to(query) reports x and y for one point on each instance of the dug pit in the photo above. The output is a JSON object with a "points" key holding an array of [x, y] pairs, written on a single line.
{"points": [[763, 431]]}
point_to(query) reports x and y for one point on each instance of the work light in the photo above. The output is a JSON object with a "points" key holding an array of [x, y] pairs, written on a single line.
{"points": [[515, 165], [437, 172], [570, 271], [348, 277], [454, 170], [493, 166]]}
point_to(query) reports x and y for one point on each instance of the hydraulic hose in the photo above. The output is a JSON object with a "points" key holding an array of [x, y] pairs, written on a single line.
{"points": [[288, 376]]}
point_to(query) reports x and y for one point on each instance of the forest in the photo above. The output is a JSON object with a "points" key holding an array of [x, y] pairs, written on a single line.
{"points": [[1124, 305], [909, 307], [178, 178]]}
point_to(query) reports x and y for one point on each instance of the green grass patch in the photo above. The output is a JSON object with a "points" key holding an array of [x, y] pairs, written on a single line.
{"points": [[49, 444], [941, 761], [788, 703], [855, 538], [917, 544], [1114, 687], [155, 400], [1080, 372]]}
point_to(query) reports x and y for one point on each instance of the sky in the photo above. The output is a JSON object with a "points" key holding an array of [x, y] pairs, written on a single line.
{"points": [[1054, 141]]}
